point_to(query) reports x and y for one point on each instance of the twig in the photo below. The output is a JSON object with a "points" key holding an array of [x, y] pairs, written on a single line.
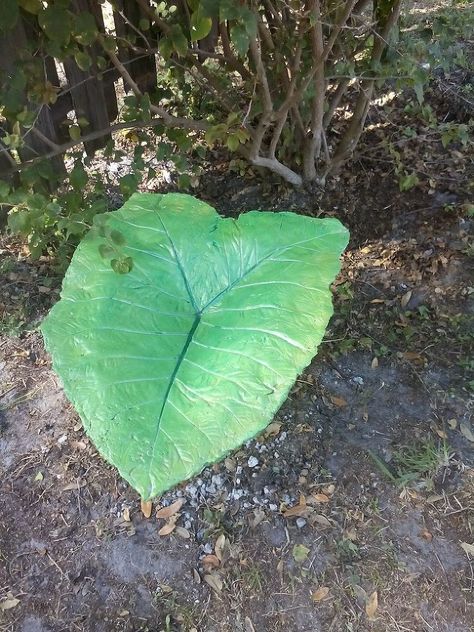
{"points": [[61, 149], [168, 119], [42, 137], [266, 96]]}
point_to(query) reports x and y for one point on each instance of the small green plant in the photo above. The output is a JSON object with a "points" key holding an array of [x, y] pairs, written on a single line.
{"points": [[417, 463], [13, 323], [179, 616], [252, 578]]}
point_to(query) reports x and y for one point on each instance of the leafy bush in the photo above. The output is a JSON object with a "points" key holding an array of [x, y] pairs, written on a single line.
{"points": [[264, 79], [194, 347]]}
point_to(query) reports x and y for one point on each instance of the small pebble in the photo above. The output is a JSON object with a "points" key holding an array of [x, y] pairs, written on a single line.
{"points": [[252, 462], [300, 523]]}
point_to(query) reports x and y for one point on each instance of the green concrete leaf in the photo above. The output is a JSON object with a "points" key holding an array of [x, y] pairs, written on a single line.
{"points": [[178, 361]]}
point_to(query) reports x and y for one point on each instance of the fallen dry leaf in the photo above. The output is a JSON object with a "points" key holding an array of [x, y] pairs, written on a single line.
{"points": [[258, 517], [230, 464], [439, 431], [168, 528], [249, 627], [466, 431], [320, 519], [340, 402], [426, 535], [372, 605], [360, 594], [467, 548], [214, 581], [320, 594], [75, 485], [413, 356], [329, 489], [9, 603], [318, 498], [146, 507], [272, 429], [406, 298], [297, 510], [183, 533], [126, 514], [79, 445], [219, 547], [171, 510], [211, 560]]}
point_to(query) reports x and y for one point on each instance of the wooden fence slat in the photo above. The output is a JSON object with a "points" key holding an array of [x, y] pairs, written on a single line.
{"points": [[63, 104], [11, 45], [93, 98], [88, 97], [109, 77]]}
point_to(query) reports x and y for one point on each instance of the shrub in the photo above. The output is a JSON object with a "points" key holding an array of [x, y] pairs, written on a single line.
{"points": [[264, 79]]}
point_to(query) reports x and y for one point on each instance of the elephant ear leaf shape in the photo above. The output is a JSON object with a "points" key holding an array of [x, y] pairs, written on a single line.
{"points": [[192, 348]]}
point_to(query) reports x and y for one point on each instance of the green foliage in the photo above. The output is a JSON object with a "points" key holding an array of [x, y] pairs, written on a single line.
{"points": [[182, 357], [220, 86]]}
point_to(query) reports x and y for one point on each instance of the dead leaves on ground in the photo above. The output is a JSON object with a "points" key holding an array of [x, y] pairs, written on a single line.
{"points": [[214, 581], [146, 507], [467, 548], [321, 593], [307, 505], [372, 605], [171, 515], [170, 510], [214, 561], [9, 603]]}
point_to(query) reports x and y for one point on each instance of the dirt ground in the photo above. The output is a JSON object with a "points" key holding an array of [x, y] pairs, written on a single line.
{"points": [[352, 512]]}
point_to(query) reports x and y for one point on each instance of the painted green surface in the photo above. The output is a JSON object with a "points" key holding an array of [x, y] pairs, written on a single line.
{"points": [[192, 352]]}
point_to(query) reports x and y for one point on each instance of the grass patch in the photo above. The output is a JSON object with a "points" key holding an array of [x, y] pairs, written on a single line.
{"points": [[415, 464]]}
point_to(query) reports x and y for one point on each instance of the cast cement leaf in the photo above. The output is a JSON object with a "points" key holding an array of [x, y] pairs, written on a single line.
{"points": [[189, 354]]}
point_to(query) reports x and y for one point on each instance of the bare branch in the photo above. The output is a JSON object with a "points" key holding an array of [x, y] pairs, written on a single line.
{"points": [[61, 149], [313, 144], [282, 114], [167, 118], [231, 59], [266, 96], [43, 138], [279, 168], [133, 27], [326, 52], [335, 101], [356, 125]]}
